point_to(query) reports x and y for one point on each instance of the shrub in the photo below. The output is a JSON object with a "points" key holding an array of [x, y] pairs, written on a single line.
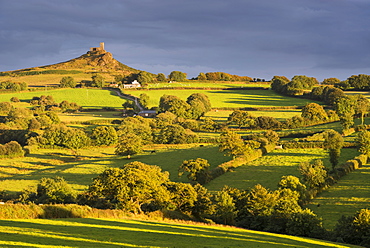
{"points": [[306, 224], [354, 229], [51, 190], [14, 99], [11, 150]]}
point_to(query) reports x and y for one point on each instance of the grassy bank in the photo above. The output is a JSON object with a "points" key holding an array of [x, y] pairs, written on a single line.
{"points": [[269, 169], [139, 233], [20, 173], [87, 98], [349, 195], [228, 98]]}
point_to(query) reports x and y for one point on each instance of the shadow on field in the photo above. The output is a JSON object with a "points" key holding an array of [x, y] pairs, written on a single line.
{"points": [[137, 233], [293, 154], [260, 98]]}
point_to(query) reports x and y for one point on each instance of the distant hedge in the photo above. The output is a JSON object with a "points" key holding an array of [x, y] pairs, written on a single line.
{"points": [[238, 161], [310, 144]]}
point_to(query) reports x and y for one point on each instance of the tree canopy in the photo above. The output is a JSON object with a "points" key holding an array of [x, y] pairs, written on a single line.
{"points": [[132, 186]]}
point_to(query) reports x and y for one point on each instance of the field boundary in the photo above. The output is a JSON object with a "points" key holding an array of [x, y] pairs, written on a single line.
{"points": [[240, 160]]}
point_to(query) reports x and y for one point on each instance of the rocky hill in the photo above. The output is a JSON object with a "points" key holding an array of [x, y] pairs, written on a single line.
{"points": [[97, 60], [94, 61]]}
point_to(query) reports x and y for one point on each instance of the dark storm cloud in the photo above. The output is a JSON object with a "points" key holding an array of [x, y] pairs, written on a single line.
{"points": [[321, 38]]}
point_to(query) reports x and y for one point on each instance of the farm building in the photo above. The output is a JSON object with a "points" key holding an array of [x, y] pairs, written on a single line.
{"points": [[147, 113], [134, 84]]}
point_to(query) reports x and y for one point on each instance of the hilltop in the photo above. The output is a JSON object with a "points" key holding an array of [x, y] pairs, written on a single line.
{"points": [[96, 60]]}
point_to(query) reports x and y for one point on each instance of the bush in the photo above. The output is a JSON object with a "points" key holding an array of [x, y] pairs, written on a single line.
{"points": [[53, 190], [14, 99], [238, 161], [306, 224], [362, 159], [11, 150], [354, 229]]}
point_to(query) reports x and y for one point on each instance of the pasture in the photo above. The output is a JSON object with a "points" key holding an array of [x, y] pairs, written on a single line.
{"points": [[43, 80], [206, 84], [20, 173], [140, 233], [85, 97], [90, 116], [269, 169], [227, 98], [349, 195], [279, 114]]}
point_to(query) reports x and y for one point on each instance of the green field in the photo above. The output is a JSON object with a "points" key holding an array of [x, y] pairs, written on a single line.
{"points": [[139, 233], [349, 195], [269, 169], [280, 114], [20, 173], [228, 98], [207, 84], [90, 116], [87, 98]]}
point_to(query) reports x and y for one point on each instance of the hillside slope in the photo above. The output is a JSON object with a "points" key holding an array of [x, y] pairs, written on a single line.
{"points": [[137, 233], [80, 68]]}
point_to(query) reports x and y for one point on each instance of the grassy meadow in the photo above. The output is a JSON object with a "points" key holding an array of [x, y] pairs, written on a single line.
{"points": [[207, 84], [87, 98], [227, 98], [20, 173], [43, 80], [349, 195], [269, 169], [90, 116], [279, 114], [140, 233]]}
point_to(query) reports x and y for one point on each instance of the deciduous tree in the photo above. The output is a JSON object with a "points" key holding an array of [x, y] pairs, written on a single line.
{"points": [[161, 77], [67, 82], [334, 142], [54, 190], [97, 81], [132, 186], [144, 100], [344, 106], [361, 107], [363, 142], [177, 76], [241, 119], [197, 170], [144, 78], [104, 135], [232, 144], [129, 144], [314, 173], [174, 105], [314, 113]]}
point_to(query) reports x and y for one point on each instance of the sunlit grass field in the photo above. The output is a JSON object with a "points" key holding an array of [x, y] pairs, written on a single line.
{"points": [[140, 233], [19, 173], [52, 79], [269, 169], [90, 116], [228, 98], [279, 114], [349, 195], [207, 84], [87, 98]]}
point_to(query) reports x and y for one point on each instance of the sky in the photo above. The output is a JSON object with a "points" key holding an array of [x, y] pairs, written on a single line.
{"points": [[255, 38]]}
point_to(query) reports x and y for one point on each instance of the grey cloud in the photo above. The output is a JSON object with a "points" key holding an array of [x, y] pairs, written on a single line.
{"points": [[245, 37]]}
